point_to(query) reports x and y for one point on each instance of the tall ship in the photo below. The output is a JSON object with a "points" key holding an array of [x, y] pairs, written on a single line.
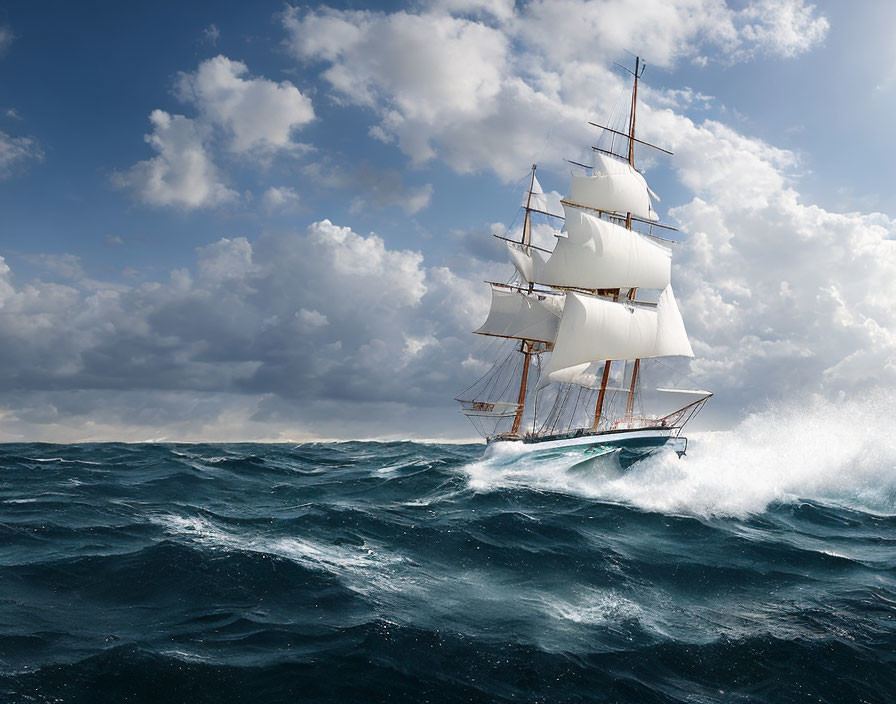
{"points": [[585, 318]]}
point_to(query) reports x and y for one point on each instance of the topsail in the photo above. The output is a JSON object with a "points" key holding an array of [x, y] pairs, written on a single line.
{"points": [[615, 187], [537, 200]]}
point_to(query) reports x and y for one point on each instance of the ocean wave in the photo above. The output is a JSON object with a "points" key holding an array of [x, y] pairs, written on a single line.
{"points": [[398, 571]]}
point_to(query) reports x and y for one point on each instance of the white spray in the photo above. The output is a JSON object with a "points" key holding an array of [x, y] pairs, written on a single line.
{"points": [[842, 453]]}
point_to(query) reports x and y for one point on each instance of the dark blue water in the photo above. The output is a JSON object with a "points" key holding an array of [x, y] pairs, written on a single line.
{"points": [[408, 572]]}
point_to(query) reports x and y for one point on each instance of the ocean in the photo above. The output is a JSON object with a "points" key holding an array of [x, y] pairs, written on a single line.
{"points": [[759, 568]]}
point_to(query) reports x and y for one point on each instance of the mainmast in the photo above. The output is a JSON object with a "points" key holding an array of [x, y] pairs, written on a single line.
{"points": [[630, 402]]}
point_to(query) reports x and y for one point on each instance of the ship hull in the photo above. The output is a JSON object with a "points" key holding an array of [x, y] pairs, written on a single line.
{"points": [[627, 446]]}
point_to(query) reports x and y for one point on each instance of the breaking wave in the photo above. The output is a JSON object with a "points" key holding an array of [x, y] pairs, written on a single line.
{"points": [[840, 453]]}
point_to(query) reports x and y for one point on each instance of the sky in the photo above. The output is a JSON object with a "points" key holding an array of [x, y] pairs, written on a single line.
{"points": [[236, 221]]}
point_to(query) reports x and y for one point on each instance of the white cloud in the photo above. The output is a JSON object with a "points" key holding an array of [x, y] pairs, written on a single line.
{"points": [[416, 69], [311, 319], [255, 116], [311, 329], [501, 10], [259, 115], [780, 296], [279, 197], [482, 84], [781, 27], [15, 152], [182, 174]]}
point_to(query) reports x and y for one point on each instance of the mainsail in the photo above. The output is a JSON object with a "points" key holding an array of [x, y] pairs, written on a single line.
{"points": [[599, 254], [577, 311], [595, 329]]}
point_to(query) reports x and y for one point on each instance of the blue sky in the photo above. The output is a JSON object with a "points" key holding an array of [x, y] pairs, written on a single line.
{"points": [[306, 258]]}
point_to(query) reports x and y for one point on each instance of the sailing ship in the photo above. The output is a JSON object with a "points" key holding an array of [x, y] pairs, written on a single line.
{"points": [[586, 316]]}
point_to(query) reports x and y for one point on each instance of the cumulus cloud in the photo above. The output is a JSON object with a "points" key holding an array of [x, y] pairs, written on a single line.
{"points": [[780, 296], [182, 174], [16, 153], [279, 329], [481, 84], [257, 114], [253, 115], [780, 27]]}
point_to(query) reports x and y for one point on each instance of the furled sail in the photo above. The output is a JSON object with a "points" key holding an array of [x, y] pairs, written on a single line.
{"points": [[595, 329], [529, 262], [599, 254], [616, 187], [526, 316], [538, 200]]}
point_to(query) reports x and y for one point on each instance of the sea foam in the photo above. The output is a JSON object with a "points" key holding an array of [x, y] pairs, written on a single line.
{"points": [[837, 452]]}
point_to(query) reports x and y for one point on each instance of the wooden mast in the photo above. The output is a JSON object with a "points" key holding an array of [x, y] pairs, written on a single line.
{"points": [[629, 405], [630, 402], [631, 124], [527, 227], [598, 409], [526, 349], [525, 346]]}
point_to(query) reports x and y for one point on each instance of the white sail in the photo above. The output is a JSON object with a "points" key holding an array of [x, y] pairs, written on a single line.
{"points": [[523, 315], [529, 262], [616, 187], [537, 199], [599, 254], [594, 329], [671, 337]]}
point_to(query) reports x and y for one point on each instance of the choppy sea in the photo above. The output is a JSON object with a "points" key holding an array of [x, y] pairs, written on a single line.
{"points": [[759, 568]]}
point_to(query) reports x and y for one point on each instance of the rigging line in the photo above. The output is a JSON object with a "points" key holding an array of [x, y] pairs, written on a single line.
{"points": [[535, 402], [672, 369], [575, 408], [546, 142], [551, 419]]}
